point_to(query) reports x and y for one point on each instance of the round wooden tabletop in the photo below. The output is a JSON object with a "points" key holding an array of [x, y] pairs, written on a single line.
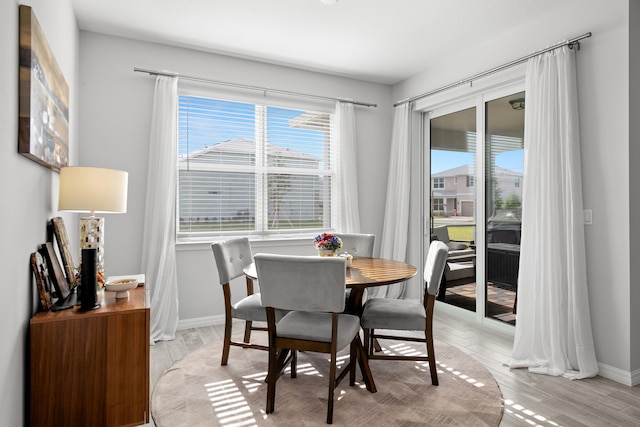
{"points": [[365, 272]]}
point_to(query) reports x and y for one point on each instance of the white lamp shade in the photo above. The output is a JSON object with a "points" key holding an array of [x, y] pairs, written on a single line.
{"points": [[88, 189]]}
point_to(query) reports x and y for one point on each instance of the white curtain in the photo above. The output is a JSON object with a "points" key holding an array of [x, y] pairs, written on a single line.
{"points": [[348, 171], [158, 249], [396, 215], [553, 331]]}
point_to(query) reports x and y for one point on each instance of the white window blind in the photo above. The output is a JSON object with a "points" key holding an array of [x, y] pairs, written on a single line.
{"points": [[253, 169]]}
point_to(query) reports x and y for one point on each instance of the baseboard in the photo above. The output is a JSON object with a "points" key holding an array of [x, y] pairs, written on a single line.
{"points": [[635, 378], [618, 375], [199, 322]]}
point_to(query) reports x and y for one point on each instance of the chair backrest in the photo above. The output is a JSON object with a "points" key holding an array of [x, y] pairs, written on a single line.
{"points": [[302, 283], [441, 232], [434, 266], [357, 244], [231, 257]]}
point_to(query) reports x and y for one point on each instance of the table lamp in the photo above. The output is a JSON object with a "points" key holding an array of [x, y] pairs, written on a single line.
{"points": [[93, 190]]}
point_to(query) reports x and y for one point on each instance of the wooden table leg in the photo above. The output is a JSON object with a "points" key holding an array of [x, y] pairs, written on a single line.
{"points": [[363, 361], [354, 306]]}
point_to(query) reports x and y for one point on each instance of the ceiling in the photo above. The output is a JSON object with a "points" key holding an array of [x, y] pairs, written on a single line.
{"points": [[381, 41]]}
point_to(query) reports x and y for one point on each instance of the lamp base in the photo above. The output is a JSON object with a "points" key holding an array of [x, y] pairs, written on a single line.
{"points": [[92, 236], [88, 281]]}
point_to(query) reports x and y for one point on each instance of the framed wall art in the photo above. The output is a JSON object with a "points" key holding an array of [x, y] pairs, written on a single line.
{"points": [[56, 275], [57, 231], [43, 118], [41, 274]]}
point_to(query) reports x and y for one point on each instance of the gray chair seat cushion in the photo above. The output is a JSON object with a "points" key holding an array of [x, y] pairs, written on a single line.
{"points": [[396, 314], [316, 326], [249, 308]]}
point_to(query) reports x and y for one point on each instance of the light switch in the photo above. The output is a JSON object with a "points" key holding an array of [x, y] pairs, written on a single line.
{"points": [[588, 216]]}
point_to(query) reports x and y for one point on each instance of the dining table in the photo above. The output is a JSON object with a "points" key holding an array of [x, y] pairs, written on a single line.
{"points": [[364, 273]]}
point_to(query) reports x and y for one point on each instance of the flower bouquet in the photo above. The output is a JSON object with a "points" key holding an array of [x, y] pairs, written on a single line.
{"points": [[328, 244]]}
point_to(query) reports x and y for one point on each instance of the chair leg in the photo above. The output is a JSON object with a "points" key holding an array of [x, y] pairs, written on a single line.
{"points": [[432, 358], [271, 396], [227, 342], [367, 333], [247, 330], [353, 352], [272, 376], [429, 303], [294, 363], [228, 323], [332, 386]]}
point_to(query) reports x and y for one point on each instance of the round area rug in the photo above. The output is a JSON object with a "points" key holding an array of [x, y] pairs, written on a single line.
{"points": [[197, 391]]}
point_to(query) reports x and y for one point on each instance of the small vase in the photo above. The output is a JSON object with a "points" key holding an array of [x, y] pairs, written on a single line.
{"points": [[327, 252]]}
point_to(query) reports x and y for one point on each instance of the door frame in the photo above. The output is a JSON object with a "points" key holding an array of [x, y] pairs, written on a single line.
{"points": [[496, 86]]}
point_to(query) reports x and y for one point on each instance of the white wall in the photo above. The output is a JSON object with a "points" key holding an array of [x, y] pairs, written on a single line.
{"points": [[29, 195], [634, 179], [603, 80], [115, 118]]}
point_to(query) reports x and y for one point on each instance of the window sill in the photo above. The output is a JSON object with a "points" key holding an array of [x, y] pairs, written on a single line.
{"points": [[256, 241]]}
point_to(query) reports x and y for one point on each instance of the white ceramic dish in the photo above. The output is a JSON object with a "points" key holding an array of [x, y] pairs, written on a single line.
{"points": [[121, 287]]}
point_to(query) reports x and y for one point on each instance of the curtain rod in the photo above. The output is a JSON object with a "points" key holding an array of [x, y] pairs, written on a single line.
{"points": [[241, 86], [570, 43]]}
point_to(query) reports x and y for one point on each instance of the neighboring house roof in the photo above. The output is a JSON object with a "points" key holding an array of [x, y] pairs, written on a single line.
{"points": [[457, 171], [469, 170], [311, 120], [246, 146]]}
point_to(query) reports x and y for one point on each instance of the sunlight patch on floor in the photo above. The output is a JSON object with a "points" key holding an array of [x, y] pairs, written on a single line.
{"points": [[231, 408], [528, 416], [405, 350]]}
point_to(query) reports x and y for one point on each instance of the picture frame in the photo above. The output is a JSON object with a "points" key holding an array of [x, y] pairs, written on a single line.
{"points": [[56, 275], [58, 231], [43, 105], [43, 284]]}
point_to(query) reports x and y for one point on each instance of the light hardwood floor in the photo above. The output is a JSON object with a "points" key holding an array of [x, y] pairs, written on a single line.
{"points": [[529, 399]]}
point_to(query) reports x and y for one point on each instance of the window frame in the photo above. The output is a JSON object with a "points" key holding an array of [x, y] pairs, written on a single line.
{"points": [[261, 229]]}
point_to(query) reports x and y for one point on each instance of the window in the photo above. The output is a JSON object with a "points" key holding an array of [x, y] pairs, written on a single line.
{"points": [[471, 180], [438, 205], [516, 182], [438, 182], [255, 169]]}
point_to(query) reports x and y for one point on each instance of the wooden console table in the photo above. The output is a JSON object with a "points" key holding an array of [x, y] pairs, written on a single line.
{"points": [[91, 368]]}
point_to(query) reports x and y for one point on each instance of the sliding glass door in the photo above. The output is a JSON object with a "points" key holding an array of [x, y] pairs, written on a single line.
{"points": [[453, 201], [476, 164], [504, 173]]}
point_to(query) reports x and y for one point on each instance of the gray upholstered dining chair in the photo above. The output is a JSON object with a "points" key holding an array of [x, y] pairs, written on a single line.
{"points": [[231, 257], [357, 244], [407, 315], [312, 290]]}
